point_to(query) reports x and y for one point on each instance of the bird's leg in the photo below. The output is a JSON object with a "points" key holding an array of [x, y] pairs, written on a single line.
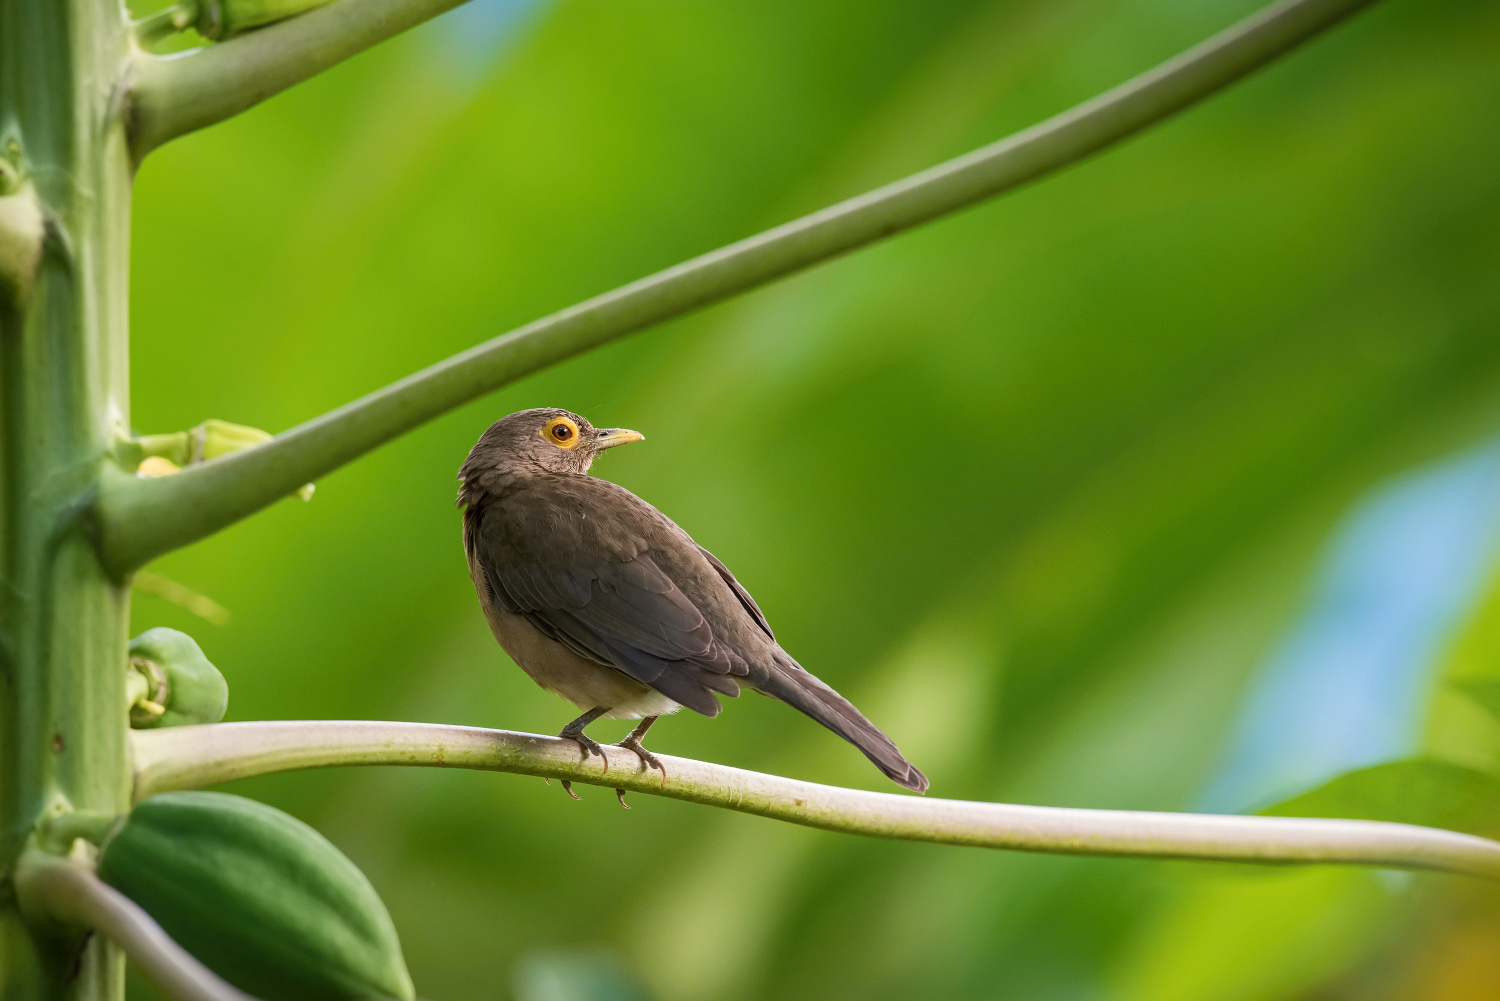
{"points": [[633, 742], [574, 732], [649, 760]]}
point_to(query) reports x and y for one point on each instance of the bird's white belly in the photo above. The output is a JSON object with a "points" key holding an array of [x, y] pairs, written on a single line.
{"points": [[581, 682]]}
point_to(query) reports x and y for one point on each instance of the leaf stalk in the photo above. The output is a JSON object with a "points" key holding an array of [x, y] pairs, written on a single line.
{"points": [[70, 894], [142, 519], [194, 756], [170, 96]]}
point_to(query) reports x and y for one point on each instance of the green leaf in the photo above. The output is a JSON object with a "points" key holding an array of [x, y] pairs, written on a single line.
{"points": [[1485, 691], [1429, 793]]}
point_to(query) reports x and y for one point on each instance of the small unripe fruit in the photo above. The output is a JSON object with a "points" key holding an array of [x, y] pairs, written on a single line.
{"points": [[178, 686], [260, 898]]}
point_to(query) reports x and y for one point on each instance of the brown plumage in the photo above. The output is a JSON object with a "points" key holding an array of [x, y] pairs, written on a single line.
{"points": [[600, 598]]}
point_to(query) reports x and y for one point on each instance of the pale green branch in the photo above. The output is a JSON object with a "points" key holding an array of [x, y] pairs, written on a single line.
{"points": [[169, 96], [193, 756], [70, 894], [141, 519]]}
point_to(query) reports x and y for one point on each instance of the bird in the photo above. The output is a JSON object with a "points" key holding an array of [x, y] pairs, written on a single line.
{"points": [[605, 601]]}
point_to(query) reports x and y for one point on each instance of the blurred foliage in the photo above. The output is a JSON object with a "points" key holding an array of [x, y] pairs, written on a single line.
{"points": [[1039, 486], [1215, 942], [1431, 793]]}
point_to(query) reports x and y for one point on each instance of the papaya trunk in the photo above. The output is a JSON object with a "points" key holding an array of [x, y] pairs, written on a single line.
{"points": [[64, 241]]}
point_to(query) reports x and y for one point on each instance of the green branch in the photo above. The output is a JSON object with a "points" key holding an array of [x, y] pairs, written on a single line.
{"points": [[169, 96], [193, 756], [142, 519], [69, 894]]}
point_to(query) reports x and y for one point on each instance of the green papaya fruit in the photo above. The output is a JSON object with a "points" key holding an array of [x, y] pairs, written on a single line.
{"points": [[263, 900], [175, 685]]}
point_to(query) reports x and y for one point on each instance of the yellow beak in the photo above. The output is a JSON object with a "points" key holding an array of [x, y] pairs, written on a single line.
{"points": [[610, 437]]}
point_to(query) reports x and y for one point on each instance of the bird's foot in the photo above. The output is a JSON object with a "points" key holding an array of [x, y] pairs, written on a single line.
{"points": [[648, 760], [588, 745], [633, 742]]}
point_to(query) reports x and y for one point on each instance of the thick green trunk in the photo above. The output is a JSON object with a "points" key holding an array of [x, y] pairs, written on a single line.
{"points": [[63, 398]]}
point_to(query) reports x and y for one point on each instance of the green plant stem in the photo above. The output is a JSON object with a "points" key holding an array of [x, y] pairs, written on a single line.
{"points": [[170, 96], [166, 22], [51, 888], [64, 400], [144, 519], [195, 756]]}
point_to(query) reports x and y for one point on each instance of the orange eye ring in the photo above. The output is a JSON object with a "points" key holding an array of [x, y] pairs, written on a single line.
{"points": [[561, 432]]}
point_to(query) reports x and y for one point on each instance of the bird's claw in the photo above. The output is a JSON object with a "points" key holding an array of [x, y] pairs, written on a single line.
{"points": [[568, 788], [588, 745], [620, 795], [648, 760]]}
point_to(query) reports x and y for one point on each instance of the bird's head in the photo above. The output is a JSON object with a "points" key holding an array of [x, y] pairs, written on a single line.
{"points": [[557, 441]]}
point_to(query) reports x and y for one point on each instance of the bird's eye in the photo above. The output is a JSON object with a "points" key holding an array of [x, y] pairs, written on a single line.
{"points": [[561, 432]]}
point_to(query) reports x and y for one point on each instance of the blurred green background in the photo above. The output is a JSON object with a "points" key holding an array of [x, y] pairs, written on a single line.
{"points": [[1167, 483]]}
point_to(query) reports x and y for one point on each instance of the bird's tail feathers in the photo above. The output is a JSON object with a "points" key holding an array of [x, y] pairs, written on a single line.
{"points": [[792, 684]]}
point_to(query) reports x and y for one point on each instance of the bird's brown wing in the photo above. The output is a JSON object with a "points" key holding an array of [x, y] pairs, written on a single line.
{"points": [[583, 572], [746, 602]]}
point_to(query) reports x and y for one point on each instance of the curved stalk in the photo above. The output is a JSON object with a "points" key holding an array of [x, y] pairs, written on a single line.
{"points": [[169, 96], [194, 756], [70, 894], [142, 519]]}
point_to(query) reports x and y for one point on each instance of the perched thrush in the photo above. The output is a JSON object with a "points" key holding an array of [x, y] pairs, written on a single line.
{"points": [[600, 598]]}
